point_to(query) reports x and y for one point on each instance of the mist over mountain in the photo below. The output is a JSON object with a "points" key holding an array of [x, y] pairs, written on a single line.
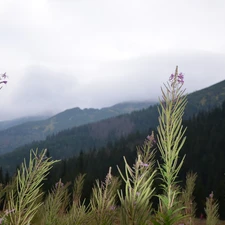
{"points": [[97, 85]]}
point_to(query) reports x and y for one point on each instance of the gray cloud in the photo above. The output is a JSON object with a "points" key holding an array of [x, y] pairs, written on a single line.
{"points": [[63, 54], [45, 90]]}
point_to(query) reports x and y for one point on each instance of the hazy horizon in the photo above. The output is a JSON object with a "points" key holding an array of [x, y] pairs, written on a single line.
{"points": [[50, 114], [94, 54]]}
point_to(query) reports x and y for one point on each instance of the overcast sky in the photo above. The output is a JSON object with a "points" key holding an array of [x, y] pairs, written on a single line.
{"points": [[61, 54]]}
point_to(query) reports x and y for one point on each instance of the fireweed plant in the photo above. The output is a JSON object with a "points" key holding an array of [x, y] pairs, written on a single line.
{"points": [[58, 209], [79, 213], [24, 196], [135, 202], [103, 200], [211, 210], [187, 198], [170, 140], [55, 204]]}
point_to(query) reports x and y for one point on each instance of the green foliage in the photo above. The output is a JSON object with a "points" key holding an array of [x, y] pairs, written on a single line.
{"points": [[79, 213], [103, 200], [77, 189], [211, 210], [187, 198], [24, 198], [55, 205], [135, 202], [169, 217]]}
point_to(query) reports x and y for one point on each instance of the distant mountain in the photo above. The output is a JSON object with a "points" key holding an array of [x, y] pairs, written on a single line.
{"points": [[25, 133], [11, 123], [69, 142], [207, 98]]}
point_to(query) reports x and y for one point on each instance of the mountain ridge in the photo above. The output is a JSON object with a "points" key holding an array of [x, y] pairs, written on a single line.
{"points": [[25, 133], [70, 142], [5, 124]]}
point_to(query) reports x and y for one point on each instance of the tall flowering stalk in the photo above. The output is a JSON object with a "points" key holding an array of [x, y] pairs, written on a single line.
{"points": [[79, 213], [103, 200], [187, 198], [211, 210], [54, 207], [135, 202], [170, 141], [24, 198]]}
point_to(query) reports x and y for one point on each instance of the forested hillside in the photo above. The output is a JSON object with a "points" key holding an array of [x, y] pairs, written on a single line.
{"points": [[25, 133], [205, 153]]}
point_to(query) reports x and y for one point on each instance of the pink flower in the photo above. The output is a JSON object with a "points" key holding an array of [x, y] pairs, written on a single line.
{"points": [[144, 164], [171, 77], [4, 76], [112, 207], [181, 76], [59, 184], [211, 195], [9, 211], [151, 138], [178, 78]]}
